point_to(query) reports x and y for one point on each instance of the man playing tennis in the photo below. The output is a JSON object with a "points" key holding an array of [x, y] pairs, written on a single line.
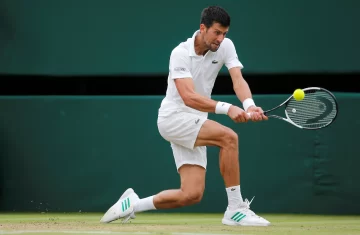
{"points": [[182, 120]]}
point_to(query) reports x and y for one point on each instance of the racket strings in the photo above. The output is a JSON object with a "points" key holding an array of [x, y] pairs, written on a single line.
{"points": [[316, 110]]}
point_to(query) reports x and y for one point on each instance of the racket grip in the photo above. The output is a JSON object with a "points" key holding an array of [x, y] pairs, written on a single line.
{"points": [[249, 114]]}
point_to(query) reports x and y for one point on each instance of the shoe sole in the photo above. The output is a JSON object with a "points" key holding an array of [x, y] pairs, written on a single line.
{"points": [[233, 223]]}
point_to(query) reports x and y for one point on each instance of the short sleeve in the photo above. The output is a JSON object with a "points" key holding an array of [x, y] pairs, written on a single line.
{"points": [[231, 58], [179, 64]]}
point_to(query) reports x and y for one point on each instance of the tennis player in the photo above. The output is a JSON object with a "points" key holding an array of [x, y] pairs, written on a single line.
{"points": [[183, 121]]}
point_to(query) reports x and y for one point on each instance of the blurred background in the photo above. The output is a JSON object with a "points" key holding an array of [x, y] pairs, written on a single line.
{"points": [[82, 81]]}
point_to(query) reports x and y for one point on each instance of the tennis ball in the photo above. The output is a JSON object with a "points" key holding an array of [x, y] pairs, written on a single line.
{"points": [[299, 94]]}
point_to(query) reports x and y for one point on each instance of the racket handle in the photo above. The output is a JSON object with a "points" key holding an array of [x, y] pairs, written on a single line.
{"points": [[249, 114]]}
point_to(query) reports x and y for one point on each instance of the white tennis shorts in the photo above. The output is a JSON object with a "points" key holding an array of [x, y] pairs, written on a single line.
{"points": [[181, 130]]}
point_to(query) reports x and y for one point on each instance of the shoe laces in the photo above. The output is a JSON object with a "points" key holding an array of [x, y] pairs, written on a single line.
{"points": [[246, 206]]}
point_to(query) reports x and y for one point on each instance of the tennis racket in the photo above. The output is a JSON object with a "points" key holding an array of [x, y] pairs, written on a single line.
{"points": [[318, 109]]}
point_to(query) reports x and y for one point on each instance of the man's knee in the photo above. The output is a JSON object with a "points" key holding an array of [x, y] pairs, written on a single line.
{"points": [[192, 184], [192, 197], [229, 138]]}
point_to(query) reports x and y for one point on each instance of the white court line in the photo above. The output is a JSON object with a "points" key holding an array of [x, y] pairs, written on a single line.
{"points": [[69, 231], [209, 234], [103, 232]]}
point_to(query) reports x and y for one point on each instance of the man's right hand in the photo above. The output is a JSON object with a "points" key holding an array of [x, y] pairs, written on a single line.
{"points": [[237, 114]]}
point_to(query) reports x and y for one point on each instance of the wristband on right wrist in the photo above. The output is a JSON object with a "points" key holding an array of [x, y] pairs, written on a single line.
{"points": [[222, 107]]}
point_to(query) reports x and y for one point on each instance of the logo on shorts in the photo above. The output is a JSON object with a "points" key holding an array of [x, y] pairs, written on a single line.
{"points": [[232, 189], [196, 121], [214, 62]]}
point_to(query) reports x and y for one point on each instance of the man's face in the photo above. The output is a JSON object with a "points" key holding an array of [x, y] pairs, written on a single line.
{"points": [[213, 36]]}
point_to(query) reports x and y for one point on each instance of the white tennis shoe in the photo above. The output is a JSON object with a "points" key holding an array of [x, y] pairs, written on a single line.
{"points": [[123, 208], [243, 216]]}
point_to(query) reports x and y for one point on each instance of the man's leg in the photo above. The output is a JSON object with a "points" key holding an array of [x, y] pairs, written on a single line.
{"points": [[191, 191], [238, 211], [193, 177], [191, 165], [213, 133]]}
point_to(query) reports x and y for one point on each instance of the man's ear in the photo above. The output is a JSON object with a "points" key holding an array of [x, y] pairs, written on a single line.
{"points": [[202, 28]]}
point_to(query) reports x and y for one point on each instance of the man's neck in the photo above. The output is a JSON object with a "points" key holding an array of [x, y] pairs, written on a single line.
{"points": [[199, 46]]}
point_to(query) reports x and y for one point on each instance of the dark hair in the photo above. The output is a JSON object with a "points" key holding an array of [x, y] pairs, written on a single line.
{"points": [[214, 14]]}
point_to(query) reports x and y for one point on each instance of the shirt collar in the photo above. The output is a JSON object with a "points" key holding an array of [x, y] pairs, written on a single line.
{"points": [[192, 44]]}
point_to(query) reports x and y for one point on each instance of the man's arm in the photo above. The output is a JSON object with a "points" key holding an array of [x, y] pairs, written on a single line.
{"points": [[243, 92], [182, 77], [240, 86], [185, 87]]}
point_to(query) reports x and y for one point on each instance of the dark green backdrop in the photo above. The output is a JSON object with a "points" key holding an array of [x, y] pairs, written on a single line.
{"points": [[57, 37], [80, 153]]}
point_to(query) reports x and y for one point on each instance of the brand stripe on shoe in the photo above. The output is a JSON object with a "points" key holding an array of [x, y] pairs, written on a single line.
{"points": [[238, 216], [125, 204]]}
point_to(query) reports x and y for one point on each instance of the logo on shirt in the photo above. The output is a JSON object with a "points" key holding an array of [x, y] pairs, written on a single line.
{"points": [[214, 61], [180, 69], [197, 121]]}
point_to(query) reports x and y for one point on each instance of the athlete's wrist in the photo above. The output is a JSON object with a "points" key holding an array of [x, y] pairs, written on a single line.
{"points": [[222, 107], [248, 103]]}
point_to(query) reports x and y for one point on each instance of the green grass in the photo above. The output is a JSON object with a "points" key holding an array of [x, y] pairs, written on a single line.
{"points": [[180, 224]]}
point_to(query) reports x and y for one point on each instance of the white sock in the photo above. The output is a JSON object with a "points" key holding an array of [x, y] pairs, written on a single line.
{"points": [[145, 204], [234, 197]]}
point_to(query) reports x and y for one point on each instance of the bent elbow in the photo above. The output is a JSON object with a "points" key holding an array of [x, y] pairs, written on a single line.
{"points": [[189, 100]]}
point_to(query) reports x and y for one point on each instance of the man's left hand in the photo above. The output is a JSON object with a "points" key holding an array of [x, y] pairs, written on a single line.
{"points": [[257, 114]]}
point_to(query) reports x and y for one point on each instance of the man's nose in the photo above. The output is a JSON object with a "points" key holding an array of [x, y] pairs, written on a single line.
{"points": [[220, 38]]}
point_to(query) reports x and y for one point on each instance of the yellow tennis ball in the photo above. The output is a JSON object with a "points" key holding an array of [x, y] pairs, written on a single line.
{"points": [[299, 94]]}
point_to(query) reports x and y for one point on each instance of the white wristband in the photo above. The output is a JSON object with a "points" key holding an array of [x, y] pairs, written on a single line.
{"points": [[247, 103], [222, 107]]}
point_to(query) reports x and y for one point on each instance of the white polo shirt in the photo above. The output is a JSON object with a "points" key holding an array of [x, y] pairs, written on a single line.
{"points": [[185, 63]]}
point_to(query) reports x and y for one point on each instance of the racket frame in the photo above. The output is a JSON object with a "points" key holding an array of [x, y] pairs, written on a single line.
{"points": [[287, 119]]}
